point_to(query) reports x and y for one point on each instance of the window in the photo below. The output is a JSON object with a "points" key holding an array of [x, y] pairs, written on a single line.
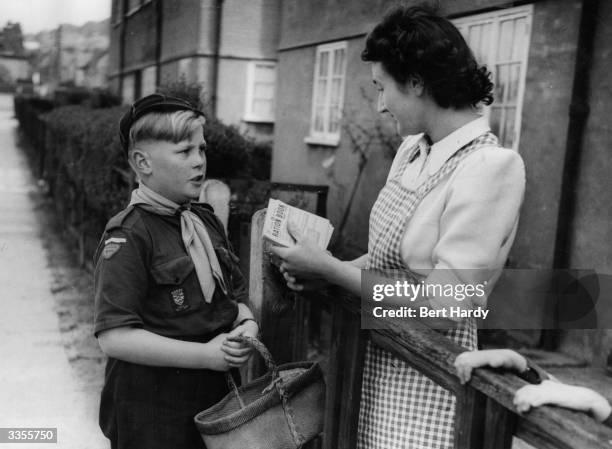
{"points": [[184, 69], [116, 11], [328, 94], [148, 80], [128, 91], [261, 80], [133, 6], [501, 41]]}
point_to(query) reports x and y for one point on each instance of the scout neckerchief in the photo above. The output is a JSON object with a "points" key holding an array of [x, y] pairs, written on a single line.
{"points": [[195, 237]]}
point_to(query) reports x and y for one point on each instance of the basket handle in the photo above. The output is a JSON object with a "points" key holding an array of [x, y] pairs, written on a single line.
{"points": [[265, 354], [263, 351]]}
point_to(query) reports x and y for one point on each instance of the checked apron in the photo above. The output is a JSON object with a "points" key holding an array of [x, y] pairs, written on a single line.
{"points": [[400, 407]]}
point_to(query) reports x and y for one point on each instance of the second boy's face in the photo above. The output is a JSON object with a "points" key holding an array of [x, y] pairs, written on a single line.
{"points": [[177, 169]]}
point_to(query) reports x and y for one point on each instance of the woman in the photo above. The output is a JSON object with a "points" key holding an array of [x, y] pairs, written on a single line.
{"points": [[449, 208]]}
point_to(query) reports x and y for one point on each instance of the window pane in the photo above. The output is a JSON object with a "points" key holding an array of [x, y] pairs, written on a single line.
{"points": [[319, 113], [494, 120], [474, 40], [263, 91], [328, 85], [339, 61], [509, 127], [263, 108], [514, 74], [483, 53], [321, 92], [334, 120], [324, 61], [148, 81], [506, 39], [501, 81], [520, 33], [265, 73], [335, 93]]}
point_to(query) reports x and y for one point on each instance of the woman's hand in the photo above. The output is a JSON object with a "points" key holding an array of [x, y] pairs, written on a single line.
{"points": [[304, 260], [299, 285], [496, 358], [569, 396]]}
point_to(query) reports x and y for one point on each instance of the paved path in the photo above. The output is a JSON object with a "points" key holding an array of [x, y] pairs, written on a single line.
{"points": [[37, 385]]}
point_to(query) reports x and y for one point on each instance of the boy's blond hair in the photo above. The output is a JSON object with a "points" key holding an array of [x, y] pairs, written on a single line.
{"points": [[172, 127]]}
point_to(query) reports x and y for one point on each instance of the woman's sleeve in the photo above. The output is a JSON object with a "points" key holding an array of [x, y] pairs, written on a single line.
{"points": [[479, 218]]}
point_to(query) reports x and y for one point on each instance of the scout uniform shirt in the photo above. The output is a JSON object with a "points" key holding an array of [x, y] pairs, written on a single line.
{"points": [[145, 278]]}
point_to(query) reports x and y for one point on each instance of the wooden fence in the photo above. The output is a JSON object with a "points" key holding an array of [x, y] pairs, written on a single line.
{"points": [[485, 415]]}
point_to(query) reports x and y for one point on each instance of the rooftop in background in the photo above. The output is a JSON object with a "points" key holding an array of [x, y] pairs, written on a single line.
{"points": [[39, 15]]}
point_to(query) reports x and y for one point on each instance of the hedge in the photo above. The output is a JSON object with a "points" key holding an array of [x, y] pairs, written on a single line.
{"points": [[75, 149]]}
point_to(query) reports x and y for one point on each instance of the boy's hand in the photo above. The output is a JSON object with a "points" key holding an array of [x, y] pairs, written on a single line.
{"points": [[496, 358], [216, 357], [237, 352]]}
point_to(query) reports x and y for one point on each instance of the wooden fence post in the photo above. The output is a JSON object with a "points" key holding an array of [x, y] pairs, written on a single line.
{"points": [[500, 425], [278, 311], [469, 418], [343, 393]]}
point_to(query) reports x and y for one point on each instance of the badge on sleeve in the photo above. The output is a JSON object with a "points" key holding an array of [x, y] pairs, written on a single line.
{"points": [[111, 246]]}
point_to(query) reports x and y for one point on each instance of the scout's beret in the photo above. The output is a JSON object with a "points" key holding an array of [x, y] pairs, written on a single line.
{"points": [[150, 103]]}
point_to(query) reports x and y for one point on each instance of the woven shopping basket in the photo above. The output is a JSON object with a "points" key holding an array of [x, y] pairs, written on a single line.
{"points": [[283, 409]]}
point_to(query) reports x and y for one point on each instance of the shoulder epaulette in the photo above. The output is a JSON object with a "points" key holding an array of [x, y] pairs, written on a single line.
{"points": [[122, 219]]}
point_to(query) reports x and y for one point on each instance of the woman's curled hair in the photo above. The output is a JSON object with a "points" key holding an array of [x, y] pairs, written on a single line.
{"points": [[415, 42]]}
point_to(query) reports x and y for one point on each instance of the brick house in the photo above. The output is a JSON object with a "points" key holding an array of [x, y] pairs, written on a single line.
{"points": [[229, 46]]}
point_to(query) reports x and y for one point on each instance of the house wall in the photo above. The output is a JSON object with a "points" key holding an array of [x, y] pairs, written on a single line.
{"points": [[188, 45], [231, 90], [185, 28], [544, 124], [544, 121], [592, 226], [17, 67], [140, 38], [296, 162], [250, 32], [114, 48]]}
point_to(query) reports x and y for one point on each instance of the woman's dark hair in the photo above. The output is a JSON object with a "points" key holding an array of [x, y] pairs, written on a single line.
{"points": [[415, 42]]}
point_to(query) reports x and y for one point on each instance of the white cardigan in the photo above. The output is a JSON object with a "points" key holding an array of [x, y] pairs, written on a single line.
{"points": [[467, 223]]}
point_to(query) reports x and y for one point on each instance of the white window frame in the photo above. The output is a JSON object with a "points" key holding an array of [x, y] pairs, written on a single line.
{"points": [[128, 91], [495, 18], [325, 137], [184, 69], [249, 113], [148, 74]]}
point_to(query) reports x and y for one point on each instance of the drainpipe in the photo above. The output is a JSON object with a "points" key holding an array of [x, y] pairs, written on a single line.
{"points": [[122, 46], [214, 82], [578, 114], [159, 10]]}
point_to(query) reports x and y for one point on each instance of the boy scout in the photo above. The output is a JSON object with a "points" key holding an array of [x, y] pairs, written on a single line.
{"points": [[169, 297]]}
